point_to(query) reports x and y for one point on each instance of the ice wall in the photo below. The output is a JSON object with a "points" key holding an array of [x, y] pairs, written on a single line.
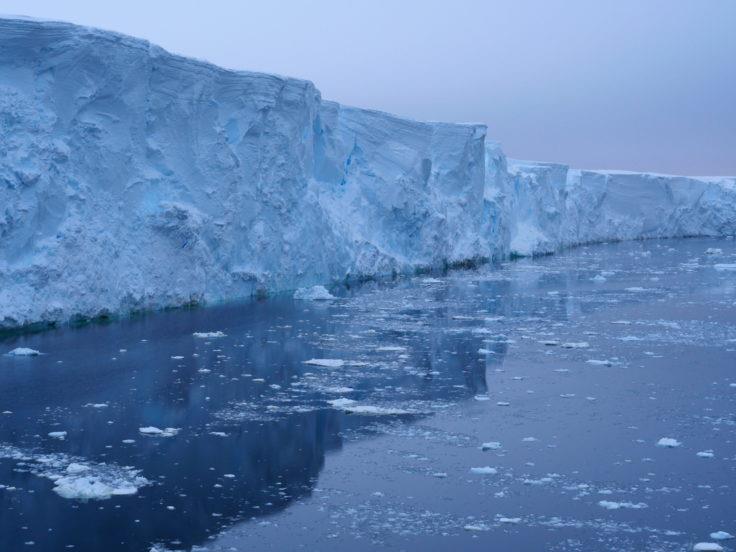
{"points": [[131, 178]]}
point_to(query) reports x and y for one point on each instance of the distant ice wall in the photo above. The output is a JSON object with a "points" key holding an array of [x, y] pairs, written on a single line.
{"points": [[550, 206], [131, 178]]}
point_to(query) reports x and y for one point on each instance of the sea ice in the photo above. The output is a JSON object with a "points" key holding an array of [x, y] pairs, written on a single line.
{"points": [[668, 442], [314, 293], [209, 335], [485, 470], [326, 362], [152, 431], [24, 351]]}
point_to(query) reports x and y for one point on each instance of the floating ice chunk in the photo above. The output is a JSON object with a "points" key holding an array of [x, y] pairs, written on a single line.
{"points": [[635, 289], [490, 445], [439, 475], [509, 520], [61, 435], [432, 281], [598, 278], [24, 351], [668, 442], [610, 505], [128, 441], [341, 403], [503, 403], [391, 348], [714, 251], [549, 342], [476, 527], [152, 431], [176, 357], [529, 439], [370, 410], [326, 362], [485, 470], [218, 433], [75, 478], [722, 267], [721, 535], [596, 362], [576, 345], [338, 389], [707, 547], [705, 454], [96, 405], [93, 487], [314, 293], [485, 352], [209, 335]]}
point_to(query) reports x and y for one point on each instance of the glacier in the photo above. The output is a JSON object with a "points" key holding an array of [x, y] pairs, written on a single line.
{"points": [[134, 179]]}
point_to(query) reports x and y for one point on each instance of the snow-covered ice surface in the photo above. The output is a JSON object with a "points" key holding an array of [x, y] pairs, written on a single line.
{"points": [[133, 179], [395, 385]]}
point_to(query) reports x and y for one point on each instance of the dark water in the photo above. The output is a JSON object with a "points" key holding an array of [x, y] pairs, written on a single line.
{"points": [[282, 455]]}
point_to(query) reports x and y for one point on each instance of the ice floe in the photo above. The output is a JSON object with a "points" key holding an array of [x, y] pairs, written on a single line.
{"points": [[152, 431], [314, 293]]}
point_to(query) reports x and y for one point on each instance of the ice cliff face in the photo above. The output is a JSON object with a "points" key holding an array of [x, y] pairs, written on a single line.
{"points": [[131, 178]]}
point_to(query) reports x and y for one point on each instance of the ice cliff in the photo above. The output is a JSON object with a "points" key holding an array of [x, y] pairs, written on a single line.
{"points": [[133, 179]]}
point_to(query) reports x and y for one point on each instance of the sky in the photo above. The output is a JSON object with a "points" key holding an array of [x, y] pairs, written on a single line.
{"points": [[646, 85]]}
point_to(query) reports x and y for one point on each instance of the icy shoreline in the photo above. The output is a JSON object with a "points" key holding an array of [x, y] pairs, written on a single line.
{"points": [[132, 179]]}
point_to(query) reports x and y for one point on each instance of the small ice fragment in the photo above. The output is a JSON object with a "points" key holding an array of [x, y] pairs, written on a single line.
{"points": [[341, 402], [705, 454], [721, 535], [485, 352], [490, 445], [476, 527], [668, 442], [229, 475], [176, 357], [76, 467], [576, 345], [96, 405], [596, 362], [61, 435], [326, 362], [509, 520], [635, 288], [152, 431], [485, 470], [24, 351], [209, 335], [218, 433], [549, 342], [529, 439], [598, 278], [610, 505], [439, 475], [128, 441], [503, 403], [707, 547], [391, 348], [314, 293]]}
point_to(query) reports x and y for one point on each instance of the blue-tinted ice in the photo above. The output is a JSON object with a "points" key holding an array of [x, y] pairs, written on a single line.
{"points": [[583, 401]]}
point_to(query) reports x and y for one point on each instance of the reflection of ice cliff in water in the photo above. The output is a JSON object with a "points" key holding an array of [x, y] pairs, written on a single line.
{"points": [[255, 420]]}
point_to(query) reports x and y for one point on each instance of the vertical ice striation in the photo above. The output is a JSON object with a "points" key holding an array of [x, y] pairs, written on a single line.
{"points": [[131, 178]]}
